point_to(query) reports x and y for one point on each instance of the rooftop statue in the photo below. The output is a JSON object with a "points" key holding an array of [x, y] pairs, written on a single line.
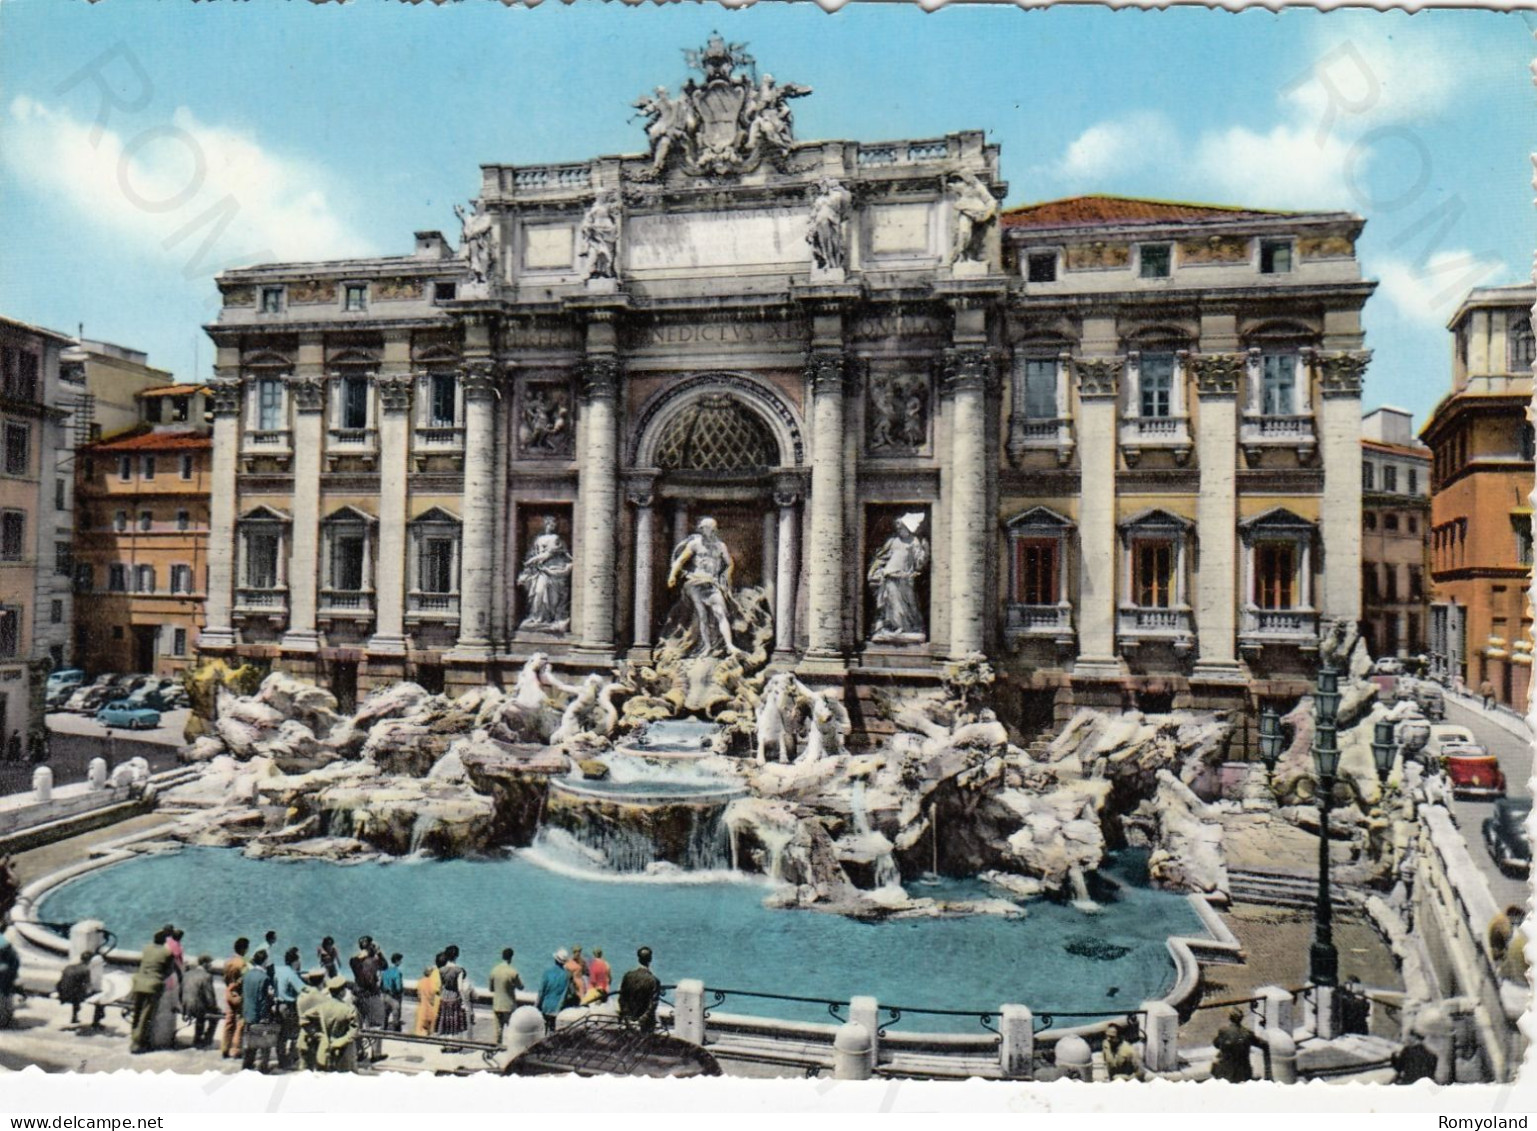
{"points": [[477, 241]]}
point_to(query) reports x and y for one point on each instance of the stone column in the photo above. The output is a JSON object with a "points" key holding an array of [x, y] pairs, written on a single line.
{"points": [[390, 583], [824, 613], [476, 571], [1217, 378], [786, 572], [967, 373], [1098, 387], [645, 537], [1339, 421], [309, 398], [599, 485], [222, 500]]}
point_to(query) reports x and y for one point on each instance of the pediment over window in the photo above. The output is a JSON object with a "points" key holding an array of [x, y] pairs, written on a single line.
{"points": [[1277, 520], [436, 355], [266, 514], [349, 516], [264, 359], [437, 516], [1040, 518], [1156, 519], [353, 357]]}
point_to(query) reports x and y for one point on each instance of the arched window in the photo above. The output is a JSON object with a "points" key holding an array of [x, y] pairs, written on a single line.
{"points": [[719, 434]]}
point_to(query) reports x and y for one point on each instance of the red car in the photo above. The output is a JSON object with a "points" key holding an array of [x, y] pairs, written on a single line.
{"points": [[1473, 770]]}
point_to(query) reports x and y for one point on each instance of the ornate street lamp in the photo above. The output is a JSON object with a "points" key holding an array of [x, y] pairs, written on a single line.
{"points": [[1324, 960], [1384, 750], [1270, 738]]}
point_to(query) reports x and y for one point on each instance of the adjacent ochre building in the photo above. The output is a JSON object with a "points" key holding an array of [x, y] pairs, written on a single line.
{"points": [[1481, 444], [1126, 432], [141, 546], [1395, 534]]}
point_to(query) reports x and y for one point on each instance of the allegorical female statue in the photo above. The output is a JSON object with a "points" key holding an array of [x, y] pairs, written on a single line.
{"points": [[546, 582], [893, 576]]}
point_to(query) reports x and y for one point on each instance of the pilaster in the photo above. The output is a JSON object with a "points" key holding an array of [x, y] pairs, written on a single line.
{"points": [[390, 577], [307, 392], [1339, 424], [598, 476], [826, 378], [1217, 380], [479, 379], [968, 377], [1098, 388], [219, 632]]}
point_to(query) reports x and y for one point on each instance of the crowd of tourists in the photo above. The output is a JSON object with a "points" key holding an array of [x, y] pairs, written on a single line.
{"points": [[332, 1016]]}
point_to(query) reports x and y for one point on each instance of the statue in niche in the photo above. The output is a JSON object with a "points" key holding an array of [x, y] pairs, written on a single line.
{"points": [[546, 582], [599, 235], [893, 576], [703, 563], [545, 421], [830, 209], [477, 241], [898, 416], [975, 210]]}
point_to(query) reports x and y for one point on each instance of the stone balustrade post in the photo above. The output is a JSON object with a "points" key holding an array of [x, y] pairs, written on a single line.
{"points": [[1161, 1037], [688, 1011], [525, 1028], [866, 1011], [1016, 1051], [42, 782], [1283, 1056], [85, 937], [852, 1048], [96, 774], [1275, 1010]]}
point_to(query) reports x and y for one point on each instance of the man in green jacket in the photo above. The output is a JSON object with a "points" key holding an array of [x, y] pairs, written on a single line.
{"points": [[505, 983], [155, 963], [337, 1023]]}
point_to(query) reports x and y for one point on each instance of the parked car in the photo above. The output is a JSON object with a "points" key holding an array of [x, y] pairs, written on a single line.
{"points": [[1404, 688], [93, 696], [1444, 734], [119, 713], [1388, 665], [1505, 834], [1474, 772], [1429, 697], [60, 686], [1412, 733], [152, 693]]}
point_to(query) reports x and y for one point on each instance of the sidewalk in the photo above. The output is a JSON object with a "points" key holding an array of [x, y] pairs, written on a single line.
{"points": [[1501, 716]]}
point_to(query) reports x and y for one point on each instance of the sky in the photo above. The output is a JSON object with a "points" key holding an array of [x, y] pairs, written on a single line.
{"points": [[146, 145]]}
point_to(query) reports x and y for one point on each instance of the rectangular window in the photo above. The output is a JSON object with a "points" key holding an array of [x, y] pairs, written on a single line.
{"points": [[1412, 524], [1413, 476], [1368, 477], [154, 409], [63, 559], [188, 463], [120, 521], [144, 579], [1523, 526], [26, 378], [7, 370], [1035, 562], [1369, 520], [13, 535], [269, 404], [272, 300], [85, 577], [18, 449], [1155, 260], [261, 560], [117, 577], [1278, 384], [1528, 442], [1416, 583], [181, 407], [183, 520], [149, 467], [179, 642], [1153, 570], [1390, 479], [1041, 388], [56, 611], [1390, 522], [1275, 568], [181, 579], [443, 402], [125, 468], [1157, 384], [444, 292], [437, 565], [1389, 582], [1275, 257], [354, 402], [1369, 580], [10, 631], [1041, 267], [60, 495], [347, 562], [1522, 346], [355, 297], [146, 520]]}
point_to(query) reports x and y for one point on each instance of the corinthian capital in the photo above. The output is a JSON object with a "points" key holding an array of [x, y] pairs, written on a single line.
{"points": [[967, 367], [1217, 374], [826, 371], [308, 393], [225, 395], [395, 392], [480, 379], [1098, 377], [599, 377], [1340, 374]]}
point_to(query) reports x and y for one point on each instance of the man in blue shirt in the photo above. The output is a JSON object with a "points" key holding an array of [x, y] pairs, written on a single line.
{"points": [[392, 981], [552, 988], [256, 1009], [287, 985]]}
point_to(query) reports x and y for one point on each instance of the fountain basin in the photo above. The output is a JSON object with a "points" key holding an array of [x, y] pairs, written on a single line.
{"points": [[671, 739], [712, 928]]}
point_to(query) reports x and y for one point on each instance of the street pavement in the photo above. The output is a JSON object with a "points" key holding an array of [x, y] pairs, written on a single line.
{"points": [[1500, 735], [73, 740]]}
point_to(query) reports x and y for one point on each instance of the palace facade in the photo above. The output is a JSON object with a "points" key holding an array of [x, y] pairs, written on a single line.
{"points": [[1122, 436]]}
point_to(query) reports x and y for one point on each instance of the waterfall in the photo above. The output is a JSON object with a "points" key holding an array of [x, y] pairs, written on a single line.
{"points": [[887, 874], [631, 835], [1081, 899]]}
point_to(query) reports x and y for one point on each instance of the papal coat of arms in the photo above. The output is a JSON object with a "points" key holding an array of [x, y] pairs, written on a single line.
{"points": [[726, 124]]}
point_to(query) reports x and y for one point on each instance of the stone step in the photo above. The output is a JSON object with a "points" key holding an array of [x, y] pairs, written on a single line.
{"points": [[1285, 890]]}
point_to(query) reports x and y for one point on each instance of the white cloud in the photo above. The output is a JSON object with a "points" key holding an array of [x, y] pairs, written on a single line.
{"points": [[1429, 292], [170, 183], [1286, 167], [1117, 147]]}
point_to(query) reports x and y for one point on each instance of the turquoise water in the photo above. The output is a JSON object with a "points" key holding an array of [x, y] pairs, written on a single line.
{"points": [[709, 927]]}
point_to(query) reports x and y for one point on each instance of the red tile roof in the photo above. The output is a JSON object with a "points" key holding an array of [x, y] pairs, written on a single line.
{"points": [[177, 390], [1091, 211], [153, 442]]}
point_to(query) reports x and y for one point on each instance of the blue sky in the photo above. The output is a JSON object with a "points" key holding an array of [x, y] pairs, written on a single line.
{"points": [[324, 131]]}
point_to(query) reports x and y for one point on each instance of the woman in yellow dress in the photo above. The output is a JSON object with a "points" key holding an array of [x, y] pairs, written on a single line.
{"points": [[429, 993]]}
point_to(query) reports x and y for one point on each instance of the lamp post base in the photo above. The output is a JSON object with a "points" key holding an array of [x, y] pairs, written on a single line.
{"points": [[1323, 964]]}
